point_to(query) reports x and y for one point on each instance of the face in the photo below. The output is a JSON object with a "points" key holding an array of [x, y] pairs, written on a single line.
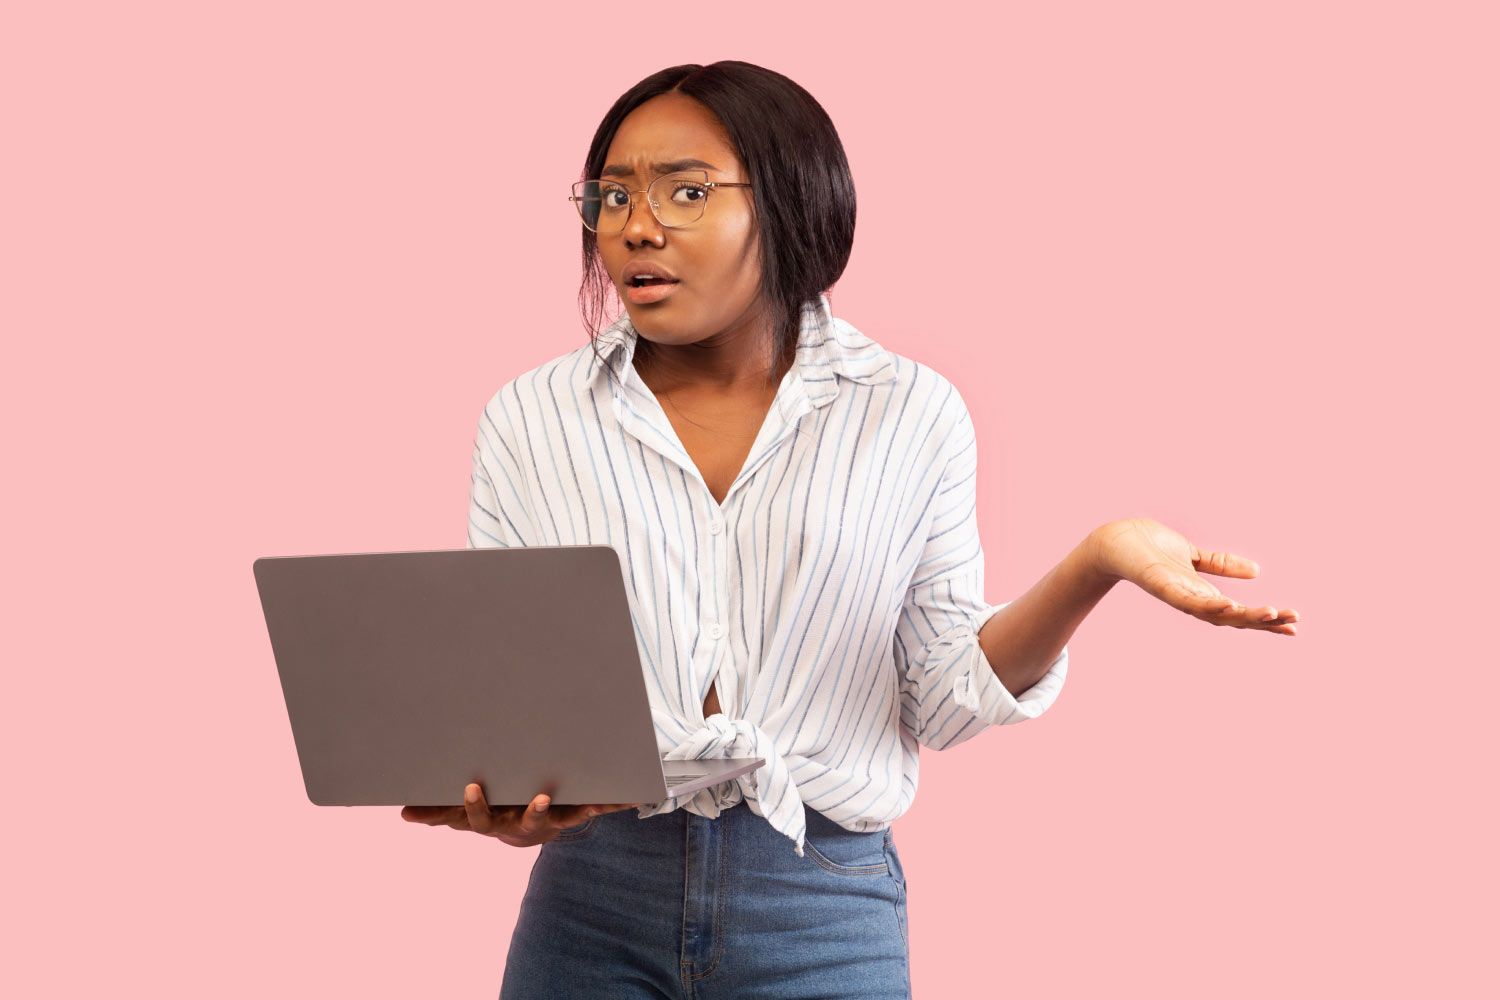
{"points": [[715, 259]]}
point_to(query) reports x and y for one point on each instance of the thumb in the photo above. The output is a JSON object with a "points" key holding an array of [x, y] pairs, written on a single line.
{"points": [[1227, 564]]}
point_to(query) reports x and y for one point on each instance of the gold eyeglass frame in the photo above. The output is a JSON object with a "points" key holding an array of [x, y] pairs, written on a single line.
{"points": [[577, 199]]}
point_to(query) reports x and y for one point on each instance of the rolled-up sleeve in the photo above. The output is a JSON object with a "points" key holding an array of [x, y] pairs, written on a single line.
{"points": [[499, 516], [949, 691]]}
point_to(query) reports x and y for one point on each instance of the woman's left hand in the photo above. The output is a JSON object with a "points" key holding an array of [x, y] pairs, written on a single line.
{"points": [[1167, 566]]}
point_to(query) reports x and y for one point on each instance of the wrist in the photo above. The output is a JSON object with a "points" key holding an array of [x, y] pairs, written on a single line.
{"points": [[1094, 556]]}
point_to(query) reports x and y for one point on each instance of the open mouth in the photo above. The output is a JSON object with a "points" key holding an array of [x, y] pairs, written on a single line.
{"points": [[648, 289]]}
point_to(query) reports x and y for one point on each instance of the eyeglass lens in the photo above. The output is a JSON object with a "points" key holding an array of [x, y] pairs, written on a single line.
{"points": [[677, 200]]}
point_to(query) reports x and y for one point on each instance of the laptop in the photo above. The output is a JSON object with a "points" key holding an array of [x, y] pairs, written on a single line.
{"points": [[408, 675]]}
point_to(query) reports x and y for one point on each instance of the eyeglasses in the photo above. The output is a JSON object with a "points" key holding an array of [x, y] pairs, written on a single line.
{"points": [[606, 205]]}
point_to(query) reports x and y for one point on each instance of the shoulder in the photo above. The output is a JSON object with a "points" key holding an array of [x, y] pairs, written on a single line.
{"points": [[930, 397], [542, 393], [862, 359]]}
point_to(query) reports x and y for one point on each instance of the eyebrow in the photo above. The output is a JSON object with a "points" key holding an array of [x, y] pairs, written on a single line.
{"points": [[669, 167]]}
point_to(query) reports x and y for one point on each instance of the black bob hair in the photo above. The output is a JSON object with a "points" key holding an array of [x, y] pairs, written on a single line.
{"points": [[803, 193]]}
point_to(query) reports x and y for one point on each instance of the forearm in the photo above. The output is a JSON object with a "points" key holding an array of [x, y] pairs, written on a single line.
{"points": [[1023, 638]]}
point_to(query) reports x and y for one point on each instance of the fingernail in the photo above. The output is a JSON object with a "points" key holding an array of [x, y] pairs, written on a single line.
{"points": [[470, 795], [541, 805]]}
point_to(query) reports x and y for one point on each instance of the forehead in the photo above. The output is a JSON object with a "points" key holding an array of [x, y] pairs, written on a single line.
{"points": [[670, 127]]}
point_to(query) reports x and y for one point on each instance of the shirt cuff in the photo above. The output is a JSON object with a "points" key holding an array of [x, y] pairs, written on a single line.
{"points": [[980, 691]]}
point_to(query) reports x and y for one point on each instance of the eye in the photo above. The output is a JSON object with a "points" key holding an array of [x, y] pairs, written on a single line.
{"points": [[690, 193], [615, 197]]}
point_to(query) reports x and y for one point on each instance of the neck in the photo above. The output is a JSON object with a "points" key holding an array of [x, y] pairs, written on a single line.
{"points": [[737, 359]]}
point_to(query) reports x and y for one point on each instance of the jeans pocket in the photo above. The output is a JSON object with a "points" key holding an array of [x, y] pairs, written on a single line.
{"points": [[848, 853]]}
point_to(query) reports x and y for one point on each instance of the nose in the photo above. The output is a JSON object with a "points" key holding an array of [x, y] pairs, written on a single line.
{"points": [[642, 226]]}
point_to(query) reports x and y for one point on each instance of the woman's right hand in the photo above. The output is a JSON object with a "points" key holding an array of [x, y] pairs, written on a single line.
{"points": [[518, 826]]}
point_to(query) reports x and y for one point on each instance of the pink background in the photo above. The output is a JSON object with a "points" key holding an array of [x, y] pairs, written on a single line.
{"points": [[264, 263]]}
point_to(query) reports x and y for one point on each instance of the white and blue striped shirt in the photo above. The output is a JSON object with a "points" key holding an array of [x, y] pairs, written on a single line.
{"points": [[836, 596]]}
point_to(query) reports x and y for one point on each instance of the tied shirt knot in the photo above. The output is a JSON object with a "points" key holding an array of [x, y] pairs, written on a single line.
{"points": [[768, 789]]}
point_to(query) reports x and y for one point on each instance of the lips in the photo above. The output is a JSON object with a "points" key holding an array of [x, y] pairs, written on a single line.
{"points": [[639, 273], [647, 294]]}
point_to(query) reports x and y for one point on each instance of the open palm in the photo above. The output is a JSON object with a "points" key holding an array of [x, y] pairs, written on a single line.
{"points": [[1168, 567]]}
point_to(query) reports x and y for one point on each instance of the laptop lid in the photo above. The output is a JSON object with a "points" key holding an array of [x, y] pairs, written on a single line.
{"points": [[409, 674]]}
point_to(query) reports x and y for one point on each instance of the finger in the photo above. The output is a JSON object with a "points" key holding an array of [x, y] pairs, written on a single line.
{"points": [[1231, 612], [452, 817], [534, 820], [1280, 628], [562, 817], [431, 815], [1266, 619], [1226, 564], [1242, 615], [1199, 597], [1285, 624], [477, 810], [1269, 615]]}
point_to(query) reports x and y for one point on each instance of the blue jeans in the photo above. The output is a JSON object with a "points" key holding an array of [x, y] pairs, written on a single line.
{"points": [[678, 906]]}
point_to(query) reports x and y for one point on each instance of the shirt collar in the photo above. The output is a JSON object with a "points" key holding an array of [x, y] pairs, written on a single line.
{"points": [[825, 344]]}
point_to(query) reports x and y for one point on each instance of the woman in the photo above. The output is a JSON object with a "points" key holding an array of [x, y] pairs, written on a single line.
{"points": [[794, 507]]}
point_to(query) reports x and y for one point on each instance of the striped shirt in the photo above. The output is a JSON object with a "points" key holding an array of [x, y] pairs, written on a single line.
{"points": [[835, 597]]}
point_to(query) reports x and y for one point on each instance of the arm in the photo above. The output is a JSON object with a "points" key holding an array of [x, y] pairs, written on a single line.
{"points": [[950, 690], [499, 516], [1021, 644], [1023, 639]]}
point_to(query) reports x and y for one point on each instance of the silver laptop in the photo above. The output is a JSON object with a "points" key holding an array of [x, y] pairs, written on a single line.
{"points": [[408, 675]]}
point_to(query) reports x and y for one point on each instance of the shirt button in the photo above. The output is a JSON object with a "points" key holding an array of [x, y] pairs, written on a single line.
{"points": [[715, 631], [715, 526]]}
